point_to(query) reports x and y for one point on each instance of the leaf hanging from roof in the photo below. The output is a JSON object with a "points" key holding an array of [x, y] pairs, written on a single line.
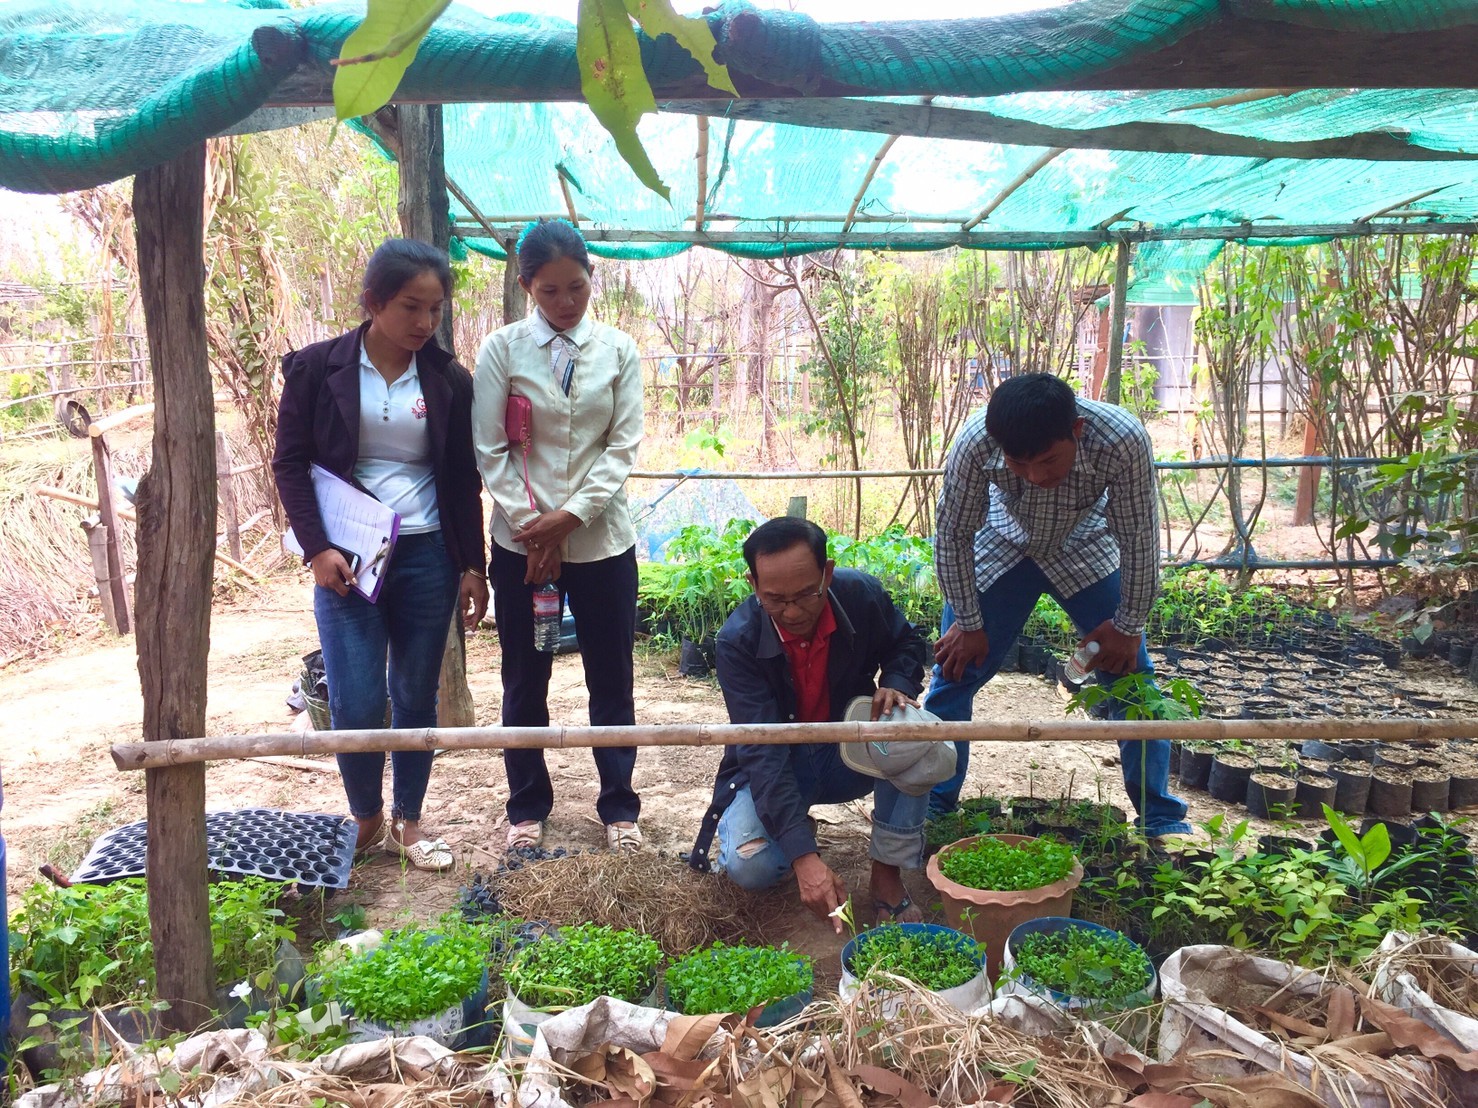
{"points": [[376, 55], [614, 83], [658, 17]]}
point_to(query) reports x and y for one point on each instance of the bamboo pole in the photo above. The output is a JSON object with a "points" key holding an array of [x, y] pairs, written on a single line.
{"points": [[100, 427], [130, 515], [129, 756]]}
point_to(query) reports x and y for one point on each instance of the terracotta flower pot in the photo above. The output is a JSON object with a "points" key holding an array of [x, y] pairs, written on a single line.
{"points": [[989, 915]]}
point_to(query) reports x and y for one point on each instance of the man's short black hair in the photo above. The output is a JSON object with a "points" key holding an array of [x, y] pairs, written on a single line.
{"points": [[1030, 414], [780, 534]]}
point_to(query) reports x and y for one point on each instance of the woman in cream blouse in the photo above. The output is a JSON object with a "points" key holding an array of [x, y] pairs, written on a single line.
{"points": [[570, 523]]}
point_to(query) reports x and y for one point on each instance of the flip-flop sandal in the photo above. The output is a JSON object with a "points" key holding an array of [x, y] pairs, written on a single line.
{"points": [[893, 911], [432, 855], [527, 834]]}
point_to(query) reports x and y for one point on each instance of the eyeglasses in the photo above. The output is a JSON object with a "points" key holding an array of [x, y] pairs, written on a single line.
{"points": [[777, 605]]}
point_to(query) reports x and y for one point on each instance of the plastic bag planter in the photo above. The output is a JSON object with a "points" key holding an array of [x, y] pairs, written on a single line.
{"points": [[461, 1026], [252, 842], [966, 997]]}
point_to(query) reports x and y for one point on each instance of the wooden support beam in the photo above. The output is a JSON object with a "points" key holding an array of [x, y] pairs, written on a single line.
{"points": [[102, 468], [130, 756], [97, 549], [1015, 240], [177, 528], [515, 300], [702, 167], [1120, 306], [1038, 164], [227, 484], [132, 516], [425, 214], [924, 120], [872, 171]]}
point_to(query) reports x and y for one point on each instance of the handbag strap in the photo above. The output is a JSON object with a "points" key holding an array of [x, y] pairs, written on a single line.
{"points": [[526, 486]]}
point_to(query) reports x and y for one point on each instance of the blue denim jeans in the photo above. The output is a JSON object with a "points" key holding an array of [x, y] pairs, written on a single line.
{"points": [[404, 632], [1005, 608], [897, 821]]}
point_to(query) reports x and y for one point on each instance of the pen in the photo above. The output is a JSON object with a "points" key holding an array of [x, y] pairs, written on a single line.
{"points": [[380, 556]]}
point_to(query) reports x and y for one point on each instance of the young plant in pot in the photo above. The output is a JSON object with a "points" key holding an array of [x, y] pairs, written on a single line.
{"points": [[573, 966], [991, 883], [942, 960], [771, 984], [415, 981], [1079, 966]]}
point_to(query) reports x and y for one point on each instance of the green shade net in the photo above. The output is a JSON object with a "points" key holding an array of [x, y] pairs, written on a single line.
{"points": [[93, 91]]}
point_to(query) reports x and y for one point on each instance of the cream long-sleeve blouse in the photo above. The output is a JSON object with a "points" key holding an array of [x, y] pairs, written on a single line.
{"points": [[584, 444]]}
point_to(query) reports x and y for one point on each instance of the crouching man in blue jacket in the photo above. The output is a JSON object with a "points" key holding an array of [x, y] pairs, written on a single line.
{"points": [[808, 642]]}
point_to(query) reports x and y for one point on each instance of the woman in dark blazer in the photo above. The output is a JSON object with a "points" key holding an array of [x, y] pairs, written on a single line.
{"points": [[388, 410]]}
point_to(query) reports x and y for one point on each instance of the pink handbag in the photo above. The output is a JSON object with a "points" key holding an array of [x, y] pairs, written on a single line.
{"points": [[518, 422]]}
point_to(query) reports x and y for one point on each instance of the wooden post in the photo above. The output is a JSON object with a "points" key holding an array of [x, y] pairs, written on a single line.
{"points": [[425, 214], [226, 481], [515, 300], [1116, 323], [177, 539], [102, 468], [97, 548], [1308, 476], [796, 509]]}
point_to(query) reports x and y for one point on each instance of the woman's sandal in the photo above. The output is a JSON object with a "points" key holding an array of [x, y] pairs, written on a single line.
{"points": [[529, 834], [365, 845], [432, 855]]}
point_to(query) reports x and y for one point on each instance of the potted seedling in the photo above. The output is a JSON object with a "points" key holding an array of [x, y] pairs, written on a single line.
{"points": [[573, 966], [1079, 966], [415, 981], [944, 961], [771, 984], [991, 883]]}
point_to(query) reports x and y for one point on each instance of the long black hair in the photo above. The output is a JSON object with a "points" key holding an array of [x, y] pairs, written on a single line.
{"points": [[548, 240], [395, 263]]}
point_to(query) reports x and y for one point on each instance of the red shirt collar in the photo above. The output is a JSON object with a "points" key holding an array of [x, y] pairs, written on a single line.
{"points": [[825, 625]]}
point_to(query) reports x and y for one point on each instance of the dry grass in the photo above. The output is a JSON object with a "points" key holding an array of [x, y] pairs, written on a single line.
{"points": [[1448, 978], [681, 909]]}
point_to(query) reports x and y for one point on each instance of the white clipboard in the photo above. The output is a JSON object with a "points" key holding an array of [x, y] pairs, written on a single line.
{"points": [[356, 522]]}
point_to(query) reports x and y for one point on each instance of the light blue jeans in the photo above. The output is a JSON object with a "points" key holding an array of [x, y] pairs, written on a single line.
{"points": [[392, 647], [897, 821], [1005, 608]]}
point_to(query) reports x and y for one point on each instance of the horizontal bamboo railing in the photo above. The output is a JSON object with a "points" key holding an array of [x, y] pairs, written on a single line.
{"points": [[154, 755]]}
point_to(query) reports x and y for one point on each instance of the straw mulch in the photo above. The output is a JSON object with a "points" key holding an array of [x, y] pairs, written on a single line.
{"points": [[681, 909]]}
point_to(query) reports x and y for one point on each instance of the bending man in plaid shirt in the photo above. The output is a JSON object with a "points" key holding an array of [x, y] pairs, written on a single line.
{"points": [[1044, 492]]}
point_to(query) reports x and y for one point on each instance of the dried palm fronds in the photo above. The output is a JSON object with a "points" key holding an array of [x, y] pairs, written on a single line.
{"points": [[681, 909]]}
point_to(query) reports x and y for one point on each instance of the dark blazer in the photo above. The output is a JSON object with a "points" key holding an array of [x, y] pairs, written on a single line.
{"points": [[318, 421], [873, 645]]}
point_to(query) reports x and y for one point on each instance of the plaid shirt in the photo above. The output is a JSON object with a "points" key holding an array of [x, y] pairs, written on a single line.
{"points": [[1105, 516]]}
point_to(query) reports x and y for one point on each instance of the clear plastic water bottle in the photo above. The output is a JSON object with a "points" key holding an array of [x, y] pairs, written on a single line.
{"points": [[547, 618], [1080, 665]]}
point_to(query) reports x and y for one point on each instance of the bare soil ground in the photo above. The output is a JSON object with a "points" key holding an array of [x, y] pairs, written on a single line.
{"points": [[61, 715]]}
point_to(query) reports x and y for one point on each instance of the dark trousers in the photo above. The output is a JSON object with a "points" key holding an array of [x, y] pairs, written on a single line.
{"points": [[602, 598]]}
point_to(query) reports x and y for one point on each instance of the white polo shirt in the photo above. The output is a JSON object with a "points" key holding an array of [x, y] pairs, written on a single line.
{"points": [[395, 447]]}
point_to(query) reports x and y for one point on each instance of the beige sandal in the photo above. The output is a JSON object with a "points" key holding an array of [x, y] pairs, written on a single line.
{"points": [[627, 839], [529, 834], [432, 855]]}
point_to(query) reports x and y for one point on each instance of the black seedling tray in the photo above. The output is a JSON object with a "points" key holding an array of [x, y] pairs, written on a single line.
{"points": [[252, 842]]}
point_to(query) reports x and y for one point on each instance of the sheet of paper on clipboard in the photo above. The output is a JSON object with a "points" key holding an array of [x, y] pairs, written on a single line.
{"points": [[356, 522]]}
